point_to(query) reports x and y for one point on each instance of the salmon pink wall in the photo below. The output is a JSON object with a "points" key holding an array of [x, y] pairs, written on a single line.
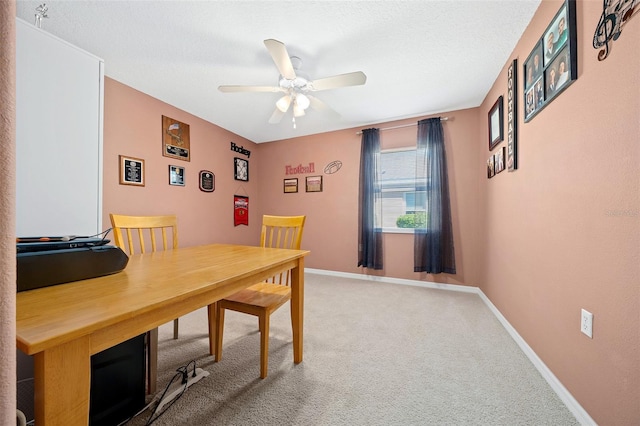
{"points": [[132, 126], [563, 232], [331, 230]]}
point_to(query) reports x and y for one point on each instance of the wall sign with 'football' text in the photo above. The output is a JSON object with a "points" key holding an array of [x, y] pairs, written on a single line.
{"points": [[300, 169]]}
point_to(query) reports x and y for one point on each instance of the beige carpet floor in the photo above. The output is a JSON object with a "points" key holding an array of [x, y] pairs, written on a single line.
{"points": [[374, 354]]}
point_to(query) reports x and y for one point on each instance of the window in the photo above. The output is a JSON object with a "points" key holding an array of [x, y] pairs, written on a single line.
{"points": [[403, 199], [414, 201]]}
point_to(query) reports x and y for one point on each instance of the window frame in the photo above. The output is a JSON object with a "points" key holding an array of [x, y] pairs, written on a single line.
{"points": [[396, 230]]}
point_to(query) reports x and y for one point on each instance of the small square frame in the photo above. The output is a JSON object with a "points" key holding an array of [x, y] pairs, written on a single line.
{"points": [[176, 175], [290, 185], [313, 183], [131, 170]]}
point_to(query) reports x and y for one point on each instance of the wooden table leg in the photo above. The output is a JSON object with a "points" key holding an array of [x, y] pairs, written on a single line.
{"points": [[297, 309], [152, 361], [62, 377], [211, 313]]}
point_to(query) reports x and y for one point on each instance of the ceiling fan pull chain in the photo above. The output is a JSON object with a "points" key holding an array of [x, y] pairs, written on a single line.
{"points": [[294, 121]]}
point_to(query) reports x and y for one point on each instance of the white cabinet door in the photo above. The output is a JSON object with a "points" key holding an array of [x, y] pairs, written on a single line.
{"points": [[59, 110]]}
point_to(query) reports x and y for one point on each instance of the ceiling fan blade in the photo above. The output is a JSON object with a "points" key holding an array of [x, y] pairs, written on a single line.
{"points": [[322, 107], [281, 58], [276, 116], [343, 80], [232, 88]]}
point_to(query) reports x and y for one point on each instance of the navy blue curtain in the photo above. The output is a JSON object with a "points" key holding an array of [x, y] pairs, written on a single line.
{"points": [[369, 232], [433, 244]]}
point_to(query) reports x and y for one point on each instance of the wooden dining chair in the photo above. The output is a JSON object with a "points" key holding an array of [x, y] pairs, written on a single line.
{"points": [[264, 298], [140, 234]]}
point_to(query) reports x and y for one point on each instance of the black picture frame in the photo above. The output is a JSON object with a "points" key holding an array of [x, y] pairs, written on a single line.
{"points": [[240, 169], [290, 185], [496, 123], [557, 50], [313, 183], [176, 175]]}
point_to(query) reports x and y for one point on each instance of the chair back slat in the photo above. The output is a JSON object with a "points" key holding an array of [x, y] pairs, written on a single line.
{"points": [[164, 237], [142, 225], [153, 239], [130, 241], [282, 232]]}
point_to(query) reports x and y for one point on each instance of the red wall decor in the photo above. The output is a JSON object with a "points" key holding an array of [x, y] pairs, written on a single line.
{"points": [[240, 210], [299, 169]]}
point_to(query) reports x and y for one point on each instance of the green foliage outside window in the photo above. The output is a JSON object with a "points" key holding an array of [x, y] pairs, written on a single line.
{"points": [[412, 220]]}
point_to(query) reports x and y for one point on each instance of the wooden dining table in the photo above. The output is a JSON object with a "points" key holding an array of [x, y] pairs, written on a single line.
{"points": [[62, 326]]}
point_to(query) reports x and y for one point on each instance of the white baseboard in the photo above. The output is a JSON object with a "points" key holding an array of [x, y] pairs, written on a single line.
{"points": [[415, 283], [565, 396], [576, 409]]}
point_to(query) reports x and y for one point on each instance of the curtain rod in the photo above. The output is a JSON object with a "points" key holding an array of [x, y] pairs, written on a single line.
{"points": [[403, 125]]}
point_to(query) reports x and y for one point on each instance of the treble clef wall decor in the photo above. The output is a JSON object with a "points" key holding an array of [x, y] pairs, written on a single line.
{"points": [[615, 14]]}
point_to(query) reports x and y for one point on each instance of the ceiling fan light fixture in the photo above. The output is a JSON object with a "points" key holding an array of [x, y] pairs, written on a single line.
{"points": [[283, 103], [302, 101], [298, 111]]}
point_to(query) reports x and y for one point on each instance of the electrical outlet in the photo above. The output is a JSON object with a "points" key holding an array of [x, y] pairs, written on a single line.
{"points": [[586, 323]]}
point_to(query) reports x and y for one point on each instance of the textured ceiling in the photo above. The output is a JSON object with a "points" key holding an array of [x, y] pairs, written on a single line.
{"points": [[420, 57]]}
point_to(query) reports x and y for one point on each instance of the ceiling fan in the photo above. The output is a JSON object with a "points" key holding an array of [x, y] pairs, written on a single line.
{"points": [[297, 87]]}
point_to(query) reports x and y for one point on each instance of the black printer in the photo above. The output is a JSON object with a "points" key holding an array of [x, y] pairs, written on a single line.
{"points": [[47, 261]]}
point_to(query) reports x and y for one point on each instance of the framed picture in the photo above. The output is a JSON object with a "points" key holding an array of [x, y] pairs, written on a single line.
{"points": [[291, 185], [496, 118], [207, 181], [557, 49], [491, 171], [175, 139], [557, 75], [176, 175], [241, 169], [498, 160], [314, 183], [131, 171], [533, 66]]}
